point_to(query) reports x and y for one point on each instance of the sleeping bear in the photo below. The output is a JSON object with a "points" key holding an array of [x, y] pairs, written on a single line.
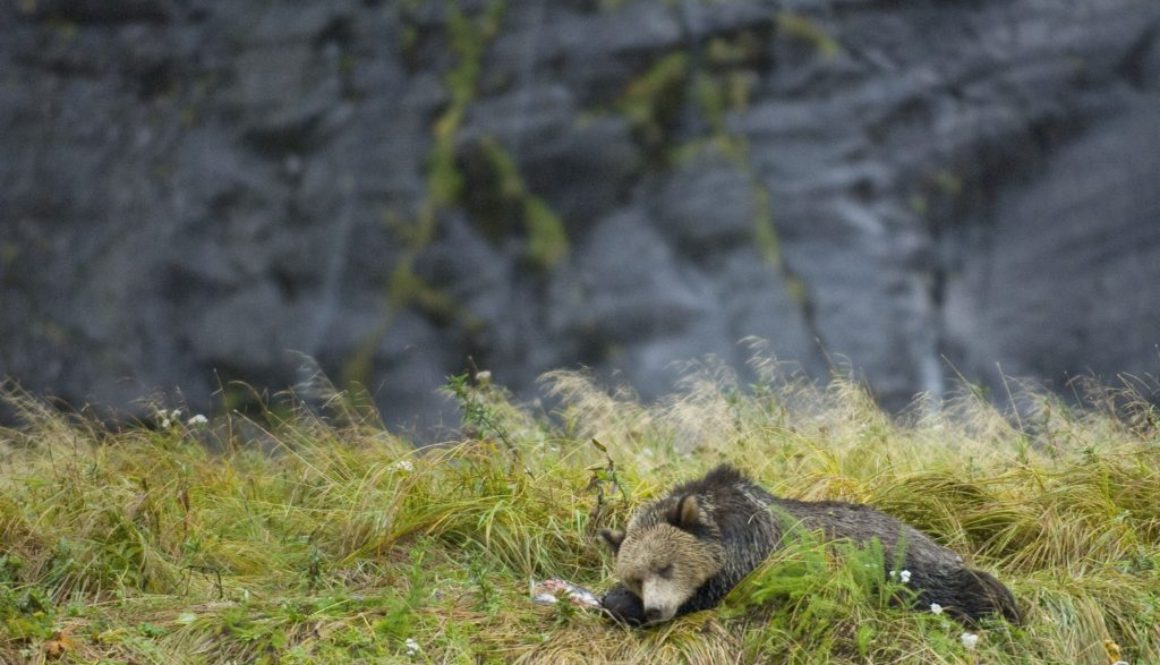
{"points": [[685, 551]]}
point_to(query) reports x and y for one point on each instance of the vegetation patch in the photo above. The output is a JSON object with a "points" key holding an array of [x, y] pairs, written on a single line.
{"points": [[801, 28], [301, 536], [500, 200], [652, 101], [467, 38]]}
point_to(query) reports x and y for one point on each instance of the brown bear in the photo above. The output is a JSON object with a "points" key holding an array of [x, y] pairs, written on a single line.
{"points": [[685, 551]]}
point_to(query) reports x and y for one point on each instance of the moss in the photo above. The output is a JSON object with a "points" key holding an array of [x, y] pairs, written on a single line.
{"points": [[744, 48], [919, 204], [508, 181], [409, 41], [715, 95], [467, 37], [652, 101], [407, 289], [9, 252], [65, 30], [796, 287], [764, 231], [939, 193], [712, 99], [801, 28], [444, 181], [948, 183], [468, 40], [739, 90], [724, 82], [547, 241], [724, 86]]}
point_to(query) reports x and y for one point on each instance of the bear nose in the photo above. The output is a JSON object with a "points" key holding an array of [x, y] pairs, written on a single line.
{"points": [[652, 614]]}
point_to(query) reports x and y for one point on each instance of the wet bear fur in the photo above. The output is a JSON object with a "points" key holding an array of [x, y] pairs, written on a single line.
{"points": [[685, 551]]}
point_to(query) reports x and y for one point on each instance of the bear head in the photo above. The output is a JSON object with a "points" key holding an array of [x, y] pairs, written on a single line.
{"points": [[669, 549]]}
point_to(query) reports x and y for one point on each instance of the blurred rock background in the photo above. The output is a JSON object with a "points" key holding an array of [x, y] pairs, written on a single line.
{"points": [[189, 189]]}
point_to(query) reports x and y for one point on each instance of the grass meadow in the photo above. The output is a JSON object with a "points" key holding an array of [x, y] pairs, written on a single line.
{"points": [[308, 533]]}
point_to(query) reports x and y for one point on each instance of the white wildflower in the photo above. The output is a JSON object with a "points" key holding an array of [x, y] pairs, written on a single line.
{"points": [[1121, 662], [969, 640], [935, 608], [904, 576], [403, 465], [197, 421], [168, 419], [412, 647]]}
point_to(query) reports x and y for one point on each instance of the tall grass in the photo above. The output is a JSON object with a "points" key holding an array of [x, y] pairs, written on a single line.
{"points": [[307, 535]]}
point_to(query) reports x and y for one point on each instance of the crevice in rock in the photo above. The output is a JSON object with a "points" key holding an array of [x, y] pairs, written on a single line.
{"points": [[1132, 67], [799, 291]]}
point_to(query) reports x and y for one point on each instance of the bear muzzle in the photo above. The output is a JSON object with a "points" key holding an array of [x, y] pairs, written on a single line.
{"points": [[661, 599]]}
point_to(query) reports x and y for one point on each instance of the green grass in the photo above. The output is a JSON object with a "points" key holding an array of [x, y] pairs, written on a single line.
{"points": [[319, 537]]}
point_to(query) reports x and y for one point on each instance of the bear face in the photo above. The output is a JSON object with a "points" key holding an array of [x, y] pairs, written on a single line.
{"points": [[664, 566], [664, 562]]}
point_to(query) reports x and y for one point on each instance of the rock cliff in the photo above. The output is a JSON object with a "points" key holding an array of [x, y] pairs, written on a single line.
{"points": [[191, 189]]}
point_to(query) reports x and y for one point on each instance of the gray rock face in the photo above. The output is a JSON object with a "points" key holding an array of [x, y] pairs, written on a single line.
{"points": [[1084, 250], [194, 193]]}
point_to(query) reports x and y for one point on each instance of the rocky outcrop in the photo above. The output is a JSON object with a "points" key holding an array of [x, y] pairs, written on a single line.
{"points": [[192, 190]]}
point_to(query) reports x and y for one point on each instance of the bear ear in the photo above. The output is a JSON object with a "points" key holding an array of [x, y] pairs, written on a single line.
{"points": [[687, 513], [613, 537]]}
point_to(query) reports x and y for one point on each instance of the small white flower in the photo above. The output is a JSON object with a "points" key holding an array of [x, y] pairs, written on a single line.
{"points": [[197, 421], [1121, 662], [404, 465], [904, 576], [935, 608], [412, 647], [168, 419], [894, 574], [969, 640]]}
